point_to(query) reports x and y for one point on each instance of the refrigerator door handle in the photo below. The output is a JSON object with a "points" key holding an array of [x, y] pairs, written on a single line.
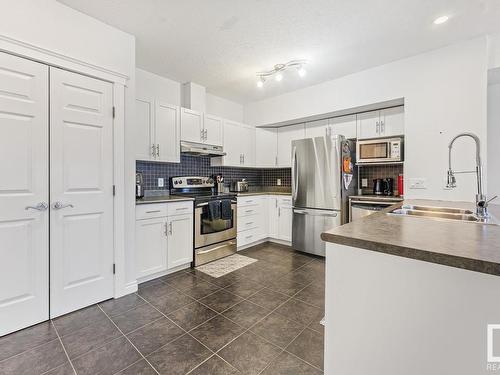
{"points": [[295, 174]]}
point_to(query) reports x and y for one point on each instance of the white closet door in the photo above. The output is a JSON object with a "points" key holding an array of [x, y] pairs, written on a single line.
{"points": [[81, 181], [24, 249]]}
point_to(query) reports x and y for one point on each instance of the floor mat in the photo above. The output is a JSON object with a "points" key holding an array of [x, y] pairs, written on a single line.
{"points": [[225, 265]]}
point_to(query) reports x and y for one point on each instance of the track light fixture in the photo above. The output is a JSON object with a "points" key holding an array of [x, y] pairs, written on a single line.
{"points": [[277, 71]]}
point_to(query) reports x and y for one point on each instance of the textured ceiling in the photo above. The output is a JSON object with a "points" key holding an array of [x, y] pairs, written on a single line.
{"points": [[222, 43]]}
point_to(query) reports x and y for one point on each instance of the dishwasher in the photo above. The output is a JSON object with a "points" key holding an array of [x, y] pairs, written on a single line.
{"points": [[359, 208]]}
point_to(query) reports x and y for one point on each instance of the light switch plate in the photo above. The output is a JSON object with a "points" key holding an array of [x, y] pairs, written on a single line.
{"points": [[364, 182], [161, 182], [278, 182], [418, 183]]}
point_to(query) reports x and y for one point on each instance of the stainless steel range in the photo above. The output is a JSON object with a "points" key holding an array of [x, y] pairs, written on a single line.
{"points": [[215, 225]]}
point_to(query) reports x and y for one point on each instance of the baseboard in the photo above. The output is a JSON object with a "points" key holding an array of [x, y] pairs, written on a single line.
{"points": [[163, 273], [264, 240], [129, 288]]}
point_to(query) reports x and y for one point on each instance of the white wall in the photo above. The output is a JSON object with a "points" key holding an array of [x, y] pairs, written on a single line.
{"points": [[224, 108], [494, 139], [493, 51], [149, 84], [55, 28], [444, 92]]}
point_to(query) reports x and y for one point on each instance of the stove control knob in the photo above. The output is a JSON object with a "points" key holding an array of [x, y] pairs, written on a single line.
{"points": [[210, 181]]}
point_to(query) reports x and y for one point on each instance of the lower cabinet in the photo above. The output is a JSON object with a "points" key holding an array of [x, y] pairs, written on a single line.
{"points": [[264, 216], [163, 241]]}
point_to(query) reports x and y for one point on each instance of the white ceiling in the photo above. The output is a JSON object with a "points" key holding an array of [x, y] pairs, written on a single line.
{"points": [[222, 43]]}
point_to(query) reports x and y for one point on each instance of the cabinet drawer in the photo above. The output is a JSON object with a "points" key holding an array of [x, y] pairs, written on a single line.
{"points": [[249, 222], [150, 211], [285, 201], [248, 236], [248, 210], [179, 208], [249, 201]]}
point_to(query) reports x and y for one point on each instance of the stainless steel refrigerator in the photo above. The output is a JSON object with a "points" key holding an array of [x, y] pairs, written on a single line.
{"points": [[323, 176]]}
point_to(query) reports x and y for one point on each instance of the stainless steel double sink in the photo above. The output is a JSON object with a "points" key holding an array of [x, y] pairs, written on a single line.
{"points": [[449, 213]]}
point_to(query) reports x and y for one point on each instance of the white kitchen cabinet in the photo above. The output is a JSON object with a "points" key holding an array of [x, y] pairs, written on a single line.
{"points": [[158, 134], [144, 137], [285, 218], [179, 240], [286, 135], [392, 121], [345, 125], [272, 209], [167, 132], [213, 130], [191, 126], [239, 146], [384, 123], [151, 246], [266, 147], [164, 237], [319, 128]]}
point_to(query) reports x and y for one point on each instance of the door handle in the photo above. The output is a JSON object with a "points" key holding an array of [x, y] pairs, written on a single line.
{"points": [[295, 173], [42, 206], [59, 205]]}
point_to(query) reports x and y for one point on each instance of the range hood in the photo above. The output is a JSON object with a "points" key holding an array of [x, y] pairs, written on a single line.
{"points": [[201, 149]]}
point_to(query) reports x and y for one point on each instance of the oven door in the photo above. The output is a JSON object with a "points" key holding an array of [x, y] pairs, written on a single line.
{"points": [[208, 231]]}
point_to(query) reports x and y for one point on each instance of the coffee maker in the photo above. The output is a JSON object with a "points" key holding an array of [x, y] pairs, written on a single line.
{"points": [[139, 186]]}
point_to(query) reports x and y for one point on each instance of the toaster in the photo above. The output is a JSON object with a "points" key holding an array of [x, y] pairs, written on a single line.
{"points": [[239, 186]]}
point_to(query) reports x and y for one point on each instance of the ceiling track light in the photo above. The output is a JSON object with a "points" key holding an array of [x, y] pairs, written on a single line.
{"points": [[277, 71]]}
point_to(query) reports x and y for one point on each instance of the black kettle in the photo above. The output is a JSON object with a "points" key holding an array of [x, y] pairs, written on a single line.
{"points": [[383, 186]]}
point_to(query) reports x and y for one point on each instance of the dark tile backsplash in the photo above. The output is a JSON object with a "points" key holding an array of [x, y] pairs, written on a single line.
{"points": [[200, 166], [371, 172]]}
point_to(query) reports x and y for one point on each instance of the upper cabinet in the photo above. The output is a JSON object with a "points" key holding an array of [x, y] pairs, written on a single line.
{"points": [[286, 135], [266, 147], [213, 130], [345, 125], [159, 131], [319, 128], [384, 123], [191, 126], [239, 146], [201, 127]]}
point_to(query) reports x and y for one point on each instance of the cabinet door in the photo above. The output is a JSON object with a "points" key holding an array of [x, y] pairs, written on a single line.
{"points": [[317, 128], [168, 132], [247, 144], [151, 246], [285, 222], [233, 144], [368, 125], [144, 135], [191, 125], [345, 125], [392, 121], [180, 240], [272, 208], [266, 147], [286, 135], [213, 130]]}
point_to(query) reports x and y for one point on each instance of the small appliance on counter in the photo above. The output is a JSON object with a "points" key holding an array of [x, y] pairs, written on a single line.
{"points": [[239, 186], [139, 185], [380, 151], [383, 186], [219, 183]]}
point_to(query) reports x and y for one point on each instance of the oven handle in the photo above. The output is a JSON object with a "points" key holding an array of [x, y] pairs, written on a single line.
{"points": [[206, 203]]}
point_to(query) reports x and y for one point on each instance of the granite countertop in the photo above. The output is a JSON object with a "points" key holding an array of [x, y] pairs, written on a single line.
{"points": [[249, 193], [162, 199], [374, 197], [267, 190], [466, 245]]}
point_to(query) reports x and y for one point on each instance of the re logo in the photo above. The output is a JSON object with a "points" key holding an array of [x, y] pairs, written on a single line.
{"points": [[492, 358]]}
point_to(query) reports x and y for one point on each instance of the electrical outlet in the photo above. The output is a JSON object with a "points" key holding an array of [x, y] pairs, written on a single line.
{"points": [[418, 183], [364, 182], [278, 181], [161, 182]]}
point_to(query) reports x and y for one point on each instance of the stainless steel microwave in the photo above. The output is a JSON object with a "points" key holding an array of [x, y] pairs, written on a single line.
{"points": [[380, 150]]}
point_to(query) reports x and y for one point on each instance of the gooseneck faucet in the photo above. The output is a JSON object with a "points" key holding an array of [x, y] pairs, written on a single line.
{"points": [[481, 201]]}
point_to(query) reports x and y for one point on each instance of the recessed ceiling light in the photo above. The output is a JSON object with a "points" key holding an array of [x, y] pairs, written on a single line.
{"points": [[278, 77], [302, 71], [441, 20], [260, 82]]}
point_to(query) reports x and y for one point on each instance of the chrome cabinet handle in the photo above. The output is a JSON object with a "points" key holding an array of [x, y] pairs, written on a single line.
{"points": [[202, 134], [59, 205], [153, 148], [206, 134], [158, 150], [170, 228], [42, 206], [166, 229], [377, 127], [382, 127]]}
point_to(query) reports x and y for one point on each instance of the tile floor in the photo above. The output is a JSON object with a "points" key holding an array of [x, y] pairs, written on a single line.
{"points": [[260, 319]]}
